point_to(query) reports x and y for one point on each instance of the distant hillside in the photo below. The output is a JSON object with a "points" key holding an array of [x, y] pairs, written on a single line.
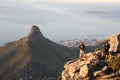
{"points": [[98, 45], [91, 44], [76, 42], [33, 58]]}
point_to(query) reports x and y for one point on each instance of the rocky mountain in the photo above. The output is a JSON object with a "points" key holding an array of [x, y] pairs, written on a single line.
{"points": [[93, 66], [33, 58]]}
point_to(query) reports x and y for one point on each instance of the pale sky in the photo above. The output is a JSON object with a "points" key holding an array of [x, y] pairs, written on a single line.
{"points": [[71, 1], [58, 19], [82, 0]]}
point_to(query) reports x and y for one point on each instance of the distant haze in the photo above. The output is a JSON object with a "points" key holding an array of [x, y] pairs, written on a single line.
{"points": [[58, 20]]}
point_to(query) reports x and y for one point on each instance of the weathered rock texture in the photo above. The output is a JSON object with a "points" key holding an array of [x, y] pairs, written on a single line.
{"points": [[89, 68], [114, 42]]}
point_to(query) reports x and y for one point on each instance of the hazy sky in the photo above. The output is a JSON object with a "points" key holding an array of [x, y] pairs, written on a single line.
{"points": [[76, 1], [58, 19], [80, 0]]}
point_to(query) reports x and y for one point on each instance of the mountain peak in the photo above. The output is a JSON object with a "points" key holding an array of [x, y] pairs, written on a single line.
{"points": [[34, 32]]}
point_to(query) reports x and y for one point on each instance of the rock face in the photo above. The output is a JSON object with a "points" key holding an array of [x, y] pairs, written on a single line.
{"points": [[84, 71], [92, 67], [114, 42], [34, 33]]}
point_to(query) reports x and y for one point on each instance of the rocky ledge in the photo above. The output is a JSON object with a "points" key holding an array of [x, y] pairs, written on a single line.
{"points": [[91, 66]]}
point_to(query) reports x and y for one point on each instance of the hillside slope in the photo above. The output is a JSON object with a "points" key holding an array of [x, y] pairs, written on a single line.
{"points": [[33, 57]]}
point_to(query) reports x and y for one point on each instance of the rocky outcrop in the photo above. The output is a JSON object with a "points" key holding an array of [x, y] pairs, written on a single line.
{"points": [[114, 42], [34, 33], [91, 66]]}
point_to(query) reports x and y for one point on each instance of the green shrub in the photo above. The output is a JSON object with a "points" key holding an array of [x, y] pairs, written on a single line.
{"points": [[114, 62], [96, 49]]}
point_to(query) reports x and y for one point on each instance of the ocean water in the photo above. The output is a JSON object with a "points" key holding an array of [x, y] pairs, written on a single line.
{"points": [[59, 21]]}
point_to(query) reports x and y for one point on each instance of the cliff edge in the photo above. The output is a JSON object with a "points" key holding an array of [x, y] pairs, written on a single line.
{"points": [[93, 66]]}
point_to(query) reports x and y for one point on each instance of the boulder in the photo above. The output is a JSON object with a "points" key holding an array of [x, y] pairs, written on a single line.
{"points": [[100, 72], [84, 71], [114, 42], [65, 75]]}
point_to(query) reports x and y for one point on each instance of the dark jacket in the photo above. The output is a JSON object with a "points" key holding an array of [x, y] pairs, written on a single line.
{"points": [[81, 47], [106, 47]]}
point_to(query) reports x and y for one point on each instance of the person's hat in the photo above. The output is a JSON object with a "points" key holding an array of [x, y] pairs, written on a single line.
{"points": [[81, 42]]}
